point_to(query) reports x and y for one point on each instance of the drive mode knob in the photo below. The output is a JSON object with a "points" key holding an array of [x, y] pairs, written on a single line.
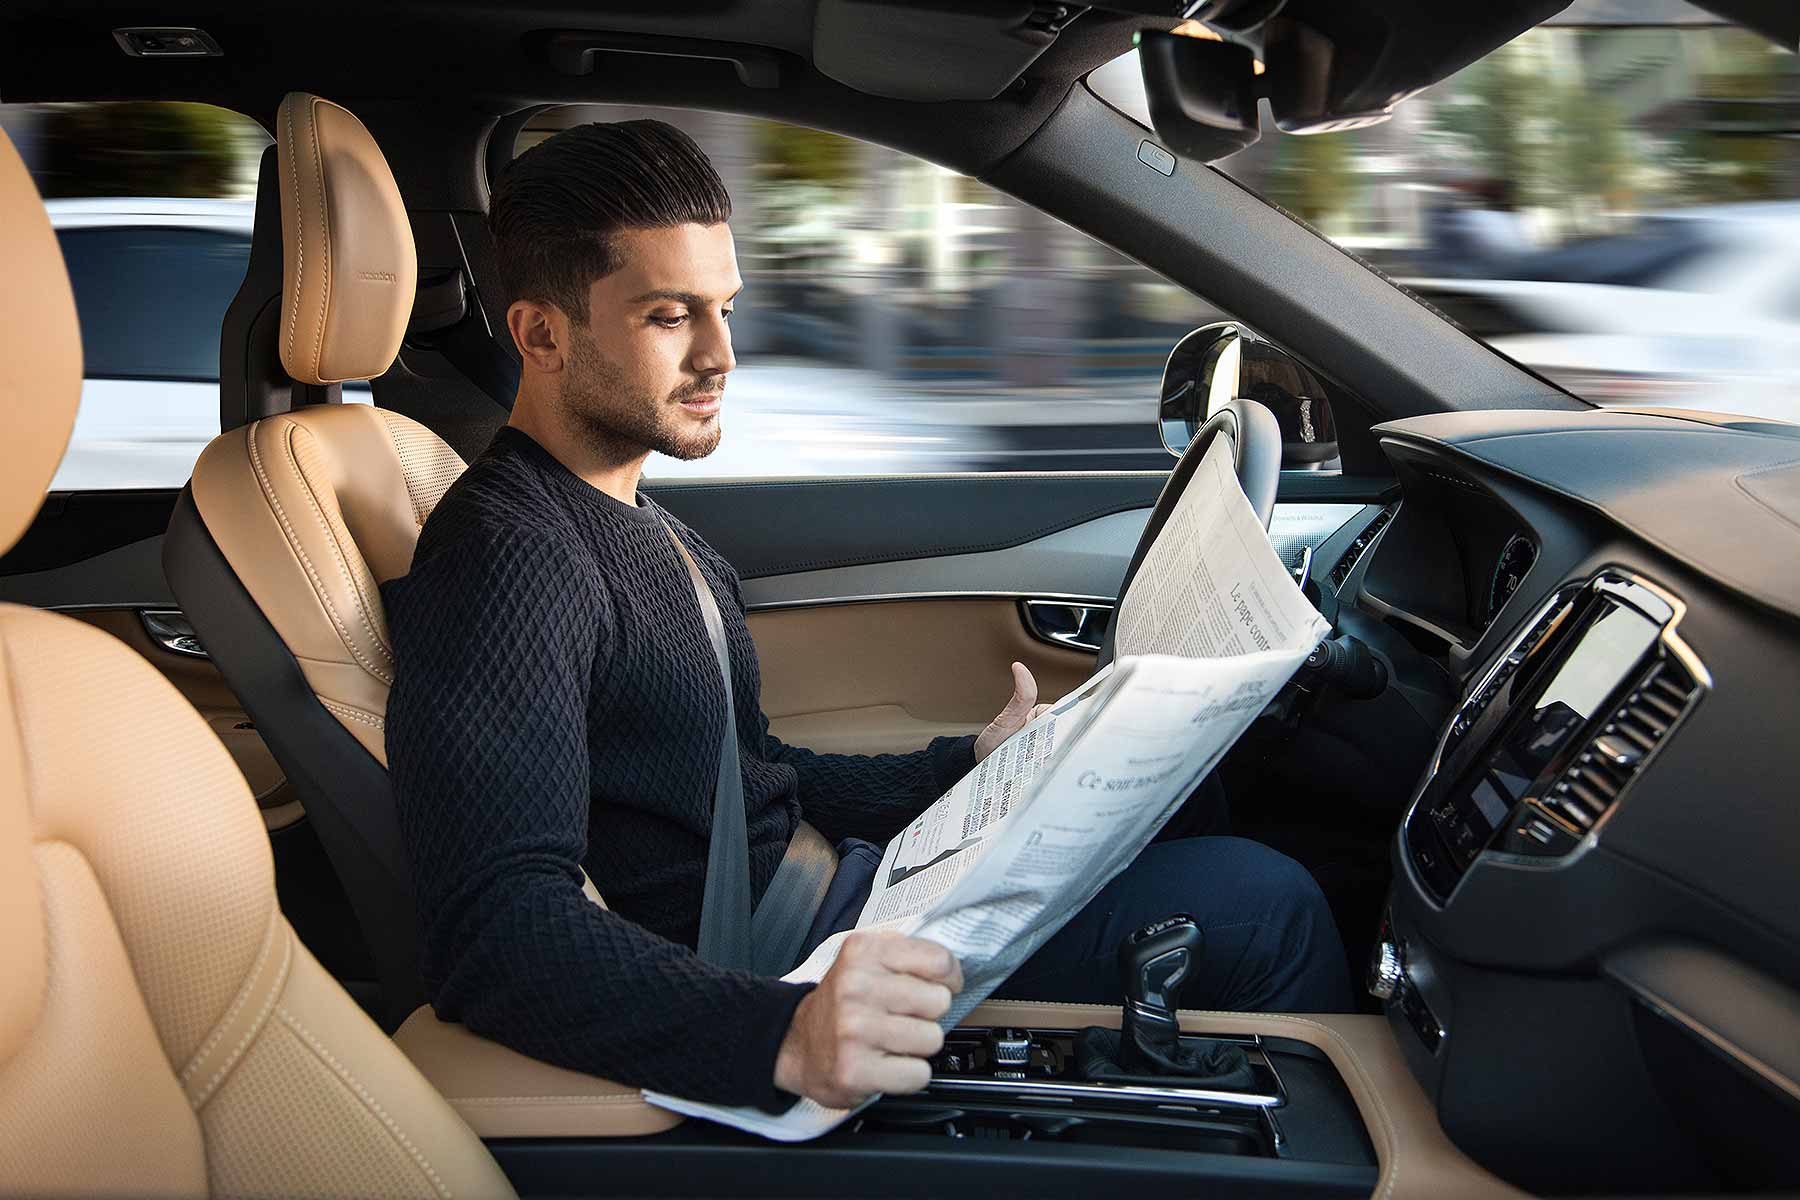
{"points": [[1384, 971]]}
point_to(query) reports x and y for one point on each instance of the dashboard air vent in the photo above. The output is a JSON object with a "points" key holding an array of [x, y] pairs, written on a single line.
{"points": [[1612, 757], [1347, 563]]}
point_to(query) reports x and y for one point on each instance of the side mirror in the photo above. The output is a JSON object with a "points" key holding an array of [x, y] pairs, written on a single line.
{"points": [[1219, 363]]}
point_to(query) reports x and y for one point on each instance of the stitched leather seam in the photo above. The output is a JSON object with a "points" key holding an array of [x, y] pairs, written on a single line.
{"points": [[256, 1026], [369, 1101], [243, 995], [294, 544], [291, 431], [299, 240], [312, 129], [353, 714]]}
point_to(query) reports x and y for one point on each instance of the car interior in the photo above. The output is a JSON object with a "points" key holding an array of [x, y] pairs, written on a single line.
{"points": [[1543, 770]]}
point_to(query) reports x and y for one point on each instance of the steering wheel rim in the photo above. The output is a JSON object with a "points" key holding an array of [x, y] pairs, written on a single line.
{"points": [[1255, 439]]}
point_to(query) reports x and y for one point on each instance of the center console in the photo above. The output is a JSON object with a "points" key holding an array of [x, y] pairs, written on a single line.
{"points": [[1506, 897], [1532, 764]]}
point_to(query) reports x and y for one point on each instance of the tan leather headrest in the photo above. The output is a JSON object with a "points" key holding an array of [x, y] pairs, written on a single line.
{"points": [[349, 268], [40, 349]]}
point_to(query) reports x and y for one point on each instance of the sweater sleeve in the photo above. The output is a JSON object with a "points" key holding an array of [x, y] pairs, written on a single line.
{"points": [[496, 636], [871, 796]]}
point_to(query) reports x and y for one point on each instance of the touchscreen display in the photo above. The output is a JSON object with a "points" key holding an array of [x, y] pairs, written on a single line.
{"points": [[1610, 649]]}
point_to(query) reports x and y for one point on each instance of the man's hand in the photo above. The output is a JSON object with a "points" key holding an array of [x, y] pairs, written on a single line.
{"points": [[1019, 712], [871, 1024]]}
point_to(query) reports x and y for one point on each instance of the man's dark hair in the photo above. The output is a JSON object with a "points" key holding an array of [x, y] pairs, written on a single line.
{"points": [[558, 206]]}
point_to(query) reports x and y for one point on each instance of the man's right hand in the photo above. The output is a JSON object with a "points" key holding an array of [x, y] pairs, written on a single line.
{"points": [[871, 1024]]}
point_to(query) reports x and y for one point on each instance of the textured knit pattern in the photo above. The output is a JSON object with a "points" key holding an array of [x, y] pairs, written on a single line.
{"points": [[558, 705]]}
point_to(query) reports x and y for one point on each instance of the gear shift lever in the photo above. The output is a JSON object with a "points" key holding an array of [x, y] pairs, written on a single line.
{"points": [[1155, 962]]}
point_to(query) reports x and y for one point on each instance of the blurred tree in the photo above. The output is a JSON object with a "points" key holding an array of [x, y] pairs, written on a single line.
{"points": [[1314, 175], [147, 148], [1732, 150], [1591, 154], [1495, 104], [796, 154]]}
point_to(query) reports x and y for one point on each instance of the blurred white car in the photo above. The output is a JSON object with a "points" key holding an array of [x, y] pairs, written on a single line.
{"points": [[1693, 308], [152, 280]]}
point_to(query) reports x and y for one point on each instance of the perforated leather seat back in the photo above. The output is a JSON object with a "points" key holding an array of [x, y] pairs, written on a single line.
{"points": [[161, 1030]]}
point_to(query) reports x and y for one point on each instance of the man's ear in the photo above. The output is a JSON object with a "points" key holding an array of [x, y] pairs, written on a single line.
{"points": [[539, 333]]}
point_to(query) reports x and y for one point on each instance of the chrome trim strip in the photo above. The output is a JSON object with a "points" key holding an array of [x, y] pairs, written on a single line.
{"points": [[1108, 1091], [891, 597]]}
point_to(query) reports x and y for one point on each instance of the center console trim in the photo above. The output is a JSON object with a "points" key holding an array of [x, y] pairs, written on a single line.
{"points": [[1418, 1160]]}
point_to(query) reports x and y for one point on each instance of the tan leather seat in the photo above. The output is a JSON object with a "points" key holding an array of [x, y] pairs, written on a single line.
{"points": [[162, 1032], [312, 510], [316, 507]]}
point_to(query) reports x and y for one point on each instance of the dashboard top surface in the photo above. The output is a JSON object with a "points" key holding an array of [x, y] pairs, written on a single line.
{"points": [[1724, 500]]}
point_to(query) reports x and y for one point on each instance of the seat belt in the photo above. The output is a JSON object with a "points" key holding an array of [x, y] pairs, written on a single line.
{"points": [[769, 940]]}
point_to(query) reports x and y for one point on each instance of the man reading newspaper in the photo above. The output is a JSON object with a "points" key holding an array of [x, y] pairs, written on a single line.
{"points": [[557, 707]]}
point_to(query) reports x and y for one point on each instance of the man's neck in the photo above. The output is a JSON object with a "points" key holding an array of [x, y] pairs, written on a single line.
{"points": [[615, 471]]}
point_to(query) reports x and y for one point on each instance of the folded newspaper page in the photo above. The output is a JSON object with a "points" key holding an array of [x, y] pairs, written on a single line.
{"points": [[1007, 856]]}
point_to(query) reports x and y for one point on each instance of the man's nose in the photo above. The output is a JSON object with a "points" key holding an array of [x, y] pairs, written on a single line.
{"points": [[712, 348]]}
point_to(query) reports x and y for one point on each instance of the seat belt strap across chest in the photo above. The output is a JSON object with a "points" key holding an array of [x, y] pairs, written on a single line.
{"points": [[768, 941]]}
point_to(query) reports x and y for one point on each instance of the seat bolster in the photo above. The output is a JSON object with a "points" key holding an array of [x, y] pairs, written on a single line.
{"points": [[267, 494], [317, 1078], [502, 1093]]}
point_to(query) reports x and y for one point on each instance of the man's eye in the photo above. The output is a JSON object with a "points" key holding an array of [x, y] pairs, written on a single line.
{"points": [[667, 322], [725, 313]]}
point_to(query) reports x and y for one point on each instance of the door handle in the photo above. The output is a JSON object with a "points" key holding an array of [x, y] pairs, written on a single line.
{"points": [[169, 628], [1070, 623]]}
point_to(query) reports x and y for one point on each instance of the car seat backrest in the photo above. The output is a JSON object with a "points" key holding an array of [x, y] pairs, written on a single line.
{"points": [[162, 1031]]}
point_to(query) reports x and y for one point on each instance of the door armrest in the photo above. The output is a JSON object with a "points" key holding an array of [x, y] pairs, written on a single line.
{"points": [[504, 1094]]}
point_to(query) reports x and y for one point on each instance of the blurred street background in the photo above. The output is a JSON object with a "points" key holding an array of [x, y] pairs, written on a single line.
{"points": [[1616, 205]]}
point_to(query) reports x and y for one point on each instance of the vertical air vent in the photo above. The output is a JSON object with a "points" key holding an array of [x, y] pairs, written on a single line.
{"points": [[1347, 564], [1606, 764]]}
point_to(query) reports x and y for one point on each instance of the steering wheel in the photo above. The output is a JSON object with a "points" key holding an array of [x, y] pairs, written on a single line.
{"points": [[1255, 439]]}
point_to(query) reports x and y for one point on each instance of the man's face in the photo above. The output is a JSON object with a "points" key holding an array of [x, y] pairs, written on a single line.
{"points": [[648, 368]]}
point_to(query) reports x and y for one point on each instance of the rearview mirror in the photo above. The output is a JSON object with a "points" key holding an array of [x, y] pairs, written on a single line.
{"points": [[1201, 94], [1216, 364]]}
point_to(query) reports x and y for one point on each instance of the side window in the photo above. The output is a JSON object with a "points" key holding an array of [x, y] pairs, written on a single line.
{"points": [[152, 203], [151, 299], [898, 317]]}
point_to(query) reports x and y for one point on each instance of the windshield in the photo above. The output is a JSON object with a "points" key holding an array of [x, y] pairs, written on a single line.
{"points": [[1615, 207]]}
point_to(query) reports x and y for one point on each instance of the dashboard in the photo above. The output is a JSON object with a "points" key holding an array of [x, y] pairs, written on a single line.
{"points": [[1591, 952]]}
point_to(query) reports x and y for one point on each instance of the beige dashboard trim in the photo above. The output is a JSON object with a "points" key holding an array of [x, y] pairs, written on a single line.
{"points": [[1418, 1161]]}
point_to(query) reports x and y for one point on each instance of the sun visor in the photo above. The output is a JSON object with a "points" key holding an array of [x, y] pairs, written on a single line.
{"points": [[942, 50]]}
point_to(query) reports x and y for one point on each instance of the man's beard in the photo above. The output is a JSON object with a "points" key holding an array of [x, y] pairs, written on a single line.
{"points": [[622, 423]]}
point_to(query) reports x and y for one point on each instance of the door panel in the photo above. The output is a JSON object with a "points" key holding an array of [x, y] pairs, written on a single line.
{"points": [[882, 656], [887, 676]]}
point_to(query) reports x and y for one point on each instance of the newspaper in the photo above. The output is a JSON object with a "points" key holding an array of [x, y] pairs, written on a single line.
{"points": [[1001, 862]]}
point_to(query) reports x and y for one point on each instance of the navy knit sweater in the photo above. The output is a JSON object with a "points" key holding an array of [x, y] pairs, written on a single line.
{"points": [[558, 705]]}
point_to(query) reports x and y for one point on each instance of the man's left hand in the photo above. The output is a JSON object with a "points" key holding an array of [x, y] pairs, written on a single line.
{"points": [[1019, 712]]}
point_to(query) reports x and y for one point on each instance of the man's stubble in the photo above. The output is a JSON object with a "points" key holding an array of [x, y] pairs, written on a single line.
{"points": [[622, 423]]}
